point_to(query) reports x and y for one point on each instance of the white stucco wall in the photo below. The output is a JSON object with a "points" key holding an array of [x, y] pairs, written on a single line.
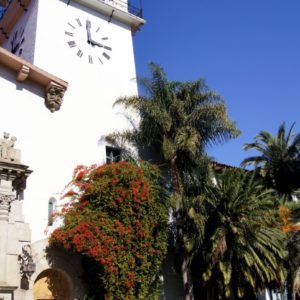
{"points": [[53, 144]]}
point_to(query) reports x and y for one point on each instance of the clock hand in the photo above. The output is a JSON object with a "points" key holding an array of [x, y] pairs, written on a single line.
{"points": [[88, 31], [94, 43]]}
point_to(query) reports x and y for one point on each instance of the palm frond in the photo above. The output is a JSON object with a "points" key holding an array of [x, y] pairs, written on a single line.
{"points": [[253, 160], [236, 234], [279, 159]]}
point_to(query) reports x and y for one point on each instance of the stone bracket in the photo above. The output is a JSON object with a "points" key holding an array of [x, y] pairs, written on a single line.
{"points": [[54, 87], [54, 96], [23, 73]]}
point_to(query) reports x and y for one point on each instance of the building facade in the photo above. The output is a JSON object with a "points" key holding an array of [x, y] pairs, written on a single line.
{"points": [[62, 65]]}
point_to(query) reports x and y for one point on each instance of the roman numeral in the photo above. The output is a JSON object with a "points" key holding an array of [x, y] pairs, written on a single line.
{"points": [[107, 48], [100, 60], [106, 55], [69, 33], [98, 29], [72, 44], [90, 59], [79, 53], [71, 25], [78, 21], [104, 38]]}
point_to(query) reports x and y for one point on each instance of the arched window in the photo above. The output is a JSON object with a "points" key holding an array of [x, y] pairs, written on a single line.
{"points": [[51, 210]]}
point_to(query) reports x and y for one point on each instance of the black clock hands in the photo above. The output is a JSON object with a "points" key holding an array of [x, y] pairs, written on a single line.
{"points": [[89, 37], [94, 43], [88, 31], [85, 38]]}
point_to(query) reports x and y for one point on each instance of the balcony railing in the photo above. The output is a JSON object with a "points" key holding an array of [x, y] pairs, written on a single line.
{"points": [[133, 7]]}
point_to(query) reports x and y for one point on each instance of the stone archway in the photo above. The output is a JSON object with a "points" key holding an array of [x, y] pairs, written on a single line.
{"points": [[52, 284]]}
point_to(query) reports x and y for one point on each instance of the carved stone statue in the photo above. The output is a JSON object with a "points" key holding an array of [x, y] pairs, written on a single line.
{"points": [[7, 150], [54, 96]]}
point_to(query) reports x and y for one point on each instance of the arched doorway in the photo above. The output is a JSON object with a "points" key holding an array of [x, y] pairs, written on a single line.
{"points": [[52, 285]]}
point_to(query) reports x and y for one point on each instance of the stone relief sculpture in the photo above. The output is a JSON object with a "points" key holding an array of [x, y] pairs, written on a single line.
{"points": [[27, 266], [7, 150], [5, 201], [54, 96]]}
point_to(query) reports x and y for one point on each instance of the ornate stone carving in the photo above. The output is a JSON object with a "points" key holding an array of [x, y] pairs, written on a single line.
{"points": [[5, 201], [11, 169], [16, 174], [54, 96], [7, 151], [27, 266]]}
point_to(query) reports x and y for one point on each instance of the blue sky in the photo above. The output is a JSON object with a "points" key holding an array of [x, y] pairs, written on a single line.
{"points": [[248, 51]]}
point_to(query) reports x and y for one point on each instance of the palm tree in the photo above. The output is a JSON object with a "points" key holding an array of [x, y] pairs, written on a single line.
{"points": [[234, 238], [279, 165], [177, 120], [290, 215], [279, 159]]}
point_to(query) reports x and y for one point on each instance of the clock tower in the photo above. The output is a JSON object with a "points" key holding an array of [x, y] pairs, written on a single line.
{"points": [[88, 45]]}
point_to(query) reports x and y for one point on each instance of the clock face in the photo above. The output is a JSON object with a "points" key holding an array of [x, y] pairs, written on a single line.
{"points": [[87, 41], [17, 41]]}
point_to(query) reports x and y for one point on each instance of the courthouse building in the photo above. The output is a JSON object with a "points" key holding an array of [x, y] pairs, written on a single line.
{"points": [[63, 64]]}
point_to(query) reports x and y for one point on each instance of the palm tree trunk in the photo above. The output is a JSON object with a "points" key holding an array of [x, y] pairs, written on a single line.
{"points": [[178, 188], [289, 287], [175, 175], [188, 287]]}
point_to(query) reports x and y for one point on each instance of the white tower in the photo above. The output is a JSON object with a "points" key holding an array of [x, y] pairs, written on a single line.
{"points": [[87, 44]]}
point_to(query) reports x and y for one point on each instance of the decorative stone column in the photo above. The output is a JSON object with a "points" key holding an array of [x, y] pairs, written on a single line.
{"points": [[13, 177], [6, 197]]}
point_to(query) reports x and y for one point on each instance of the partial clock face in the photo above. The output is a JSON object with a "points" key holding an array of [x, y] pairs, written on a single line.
{"points": [[16, 42], [87, 41]]}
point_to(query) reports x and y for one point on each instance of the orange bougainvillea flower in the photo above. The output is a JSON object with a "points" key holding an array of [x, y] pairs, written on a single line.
{"points": [[117, 216], [70, 193], [285, 215]]}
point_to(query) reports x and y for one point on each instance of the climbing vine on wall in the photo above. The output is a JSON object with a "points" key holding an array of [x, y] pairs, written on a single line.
{"points": [[118, 217]]}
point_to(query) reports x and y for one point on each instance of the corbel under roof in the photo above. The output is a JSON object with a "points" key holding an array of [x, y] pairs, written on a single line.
{"points": [[27, 71]]}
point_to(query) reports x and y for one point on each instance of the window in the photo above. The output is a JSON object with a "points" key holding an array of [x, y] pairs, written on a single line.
{"points": [[51, 210], [113, 154]]}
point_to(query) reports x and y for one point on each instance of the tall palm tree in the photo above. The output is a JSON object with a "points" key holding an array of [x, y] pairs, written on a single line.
{"points": [[178, 120], [234, 239], [279, 159], [279, 165]]}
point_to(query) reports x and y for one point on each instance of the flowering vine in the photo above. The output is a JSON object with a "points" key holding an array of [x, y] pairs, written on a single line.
{"points": [[285, 216], [118, 217]]}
